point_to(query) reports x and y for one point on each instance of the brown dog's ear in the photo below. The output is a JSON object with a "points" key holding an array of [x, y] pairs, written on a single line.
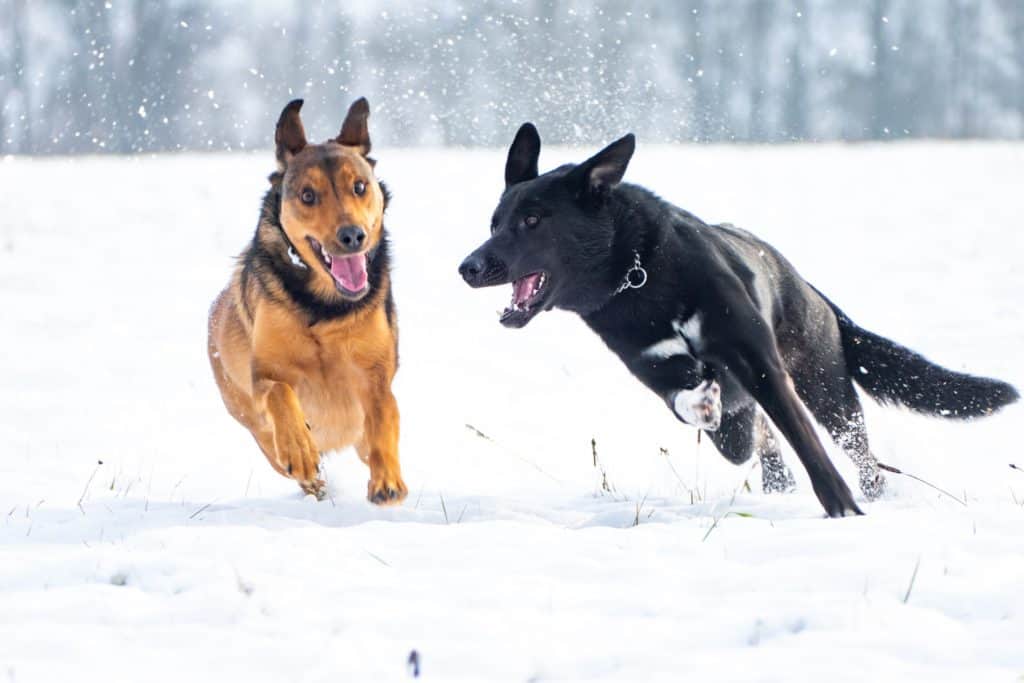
{"points": [[355, 132], [290, 136]]}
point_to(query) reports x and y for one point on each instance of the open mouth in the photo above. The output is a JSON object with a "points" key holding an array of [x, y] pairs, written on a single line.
{"points": [[348, 272], [528, 294]]}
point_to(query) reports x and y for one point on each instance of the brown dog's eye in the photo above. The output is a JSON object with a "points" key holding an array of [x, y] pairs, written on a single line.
{"points": [[531, 221], [308, 197], [359, 188]]}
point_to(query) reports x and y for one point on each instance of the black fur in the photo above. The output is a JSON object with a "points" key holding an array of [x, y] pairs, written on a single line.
{"points": [[718, 304], [893, 374], [266, 259]]}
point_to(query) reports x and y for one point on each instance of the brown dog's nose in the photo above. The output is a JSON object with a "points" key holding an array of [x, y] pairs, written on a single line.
{"points": [[351, 237]]}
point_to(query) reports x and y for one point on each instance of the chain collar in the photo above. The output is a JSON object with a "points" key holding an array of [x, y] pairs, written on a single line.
{"points": [[636, 276]]}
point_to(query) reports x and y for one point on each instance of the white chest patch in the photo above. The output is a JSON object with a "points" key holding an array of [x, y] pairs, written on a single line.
{"points": [[686, 340], [690, 330], [666, 348]]}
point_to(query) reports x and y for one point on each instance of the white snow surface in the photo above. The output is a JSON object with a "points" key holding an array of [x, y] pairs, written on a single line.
{"points": [[189, 559]]}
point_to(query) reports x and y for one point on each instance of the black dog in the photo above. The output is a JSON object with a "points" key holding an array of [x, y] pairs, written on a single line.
{"points": [[691, 307]]}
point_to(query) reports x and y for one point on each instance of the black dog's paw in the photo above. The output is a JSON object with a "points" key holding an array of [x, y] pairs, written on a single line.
{"points": [[700, 406], [839, 503], [872, 484]]}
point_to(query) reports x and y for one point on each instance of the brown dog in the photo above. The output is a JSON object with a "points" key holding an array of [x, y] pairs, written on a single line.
{"points": [[304, 340]]}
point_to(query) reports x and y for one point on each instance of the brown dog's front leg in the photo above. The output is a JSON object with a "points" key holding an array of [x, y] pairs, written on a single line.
{"points": [[380, 451], [293, 447]]}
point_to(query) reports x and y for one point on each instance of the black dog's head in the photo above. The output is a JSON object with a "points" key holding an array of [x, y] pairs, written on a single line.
{"points": [[551, 235]]}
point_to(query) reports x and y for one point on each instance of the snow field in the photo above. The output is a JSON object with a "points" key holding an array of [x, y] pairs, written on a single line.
{"points": [[184, 556]]}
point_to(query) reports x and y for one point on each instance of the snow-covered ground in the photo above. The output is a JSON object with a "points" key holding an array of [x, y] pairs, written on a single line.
{"points": [[183, 557]]}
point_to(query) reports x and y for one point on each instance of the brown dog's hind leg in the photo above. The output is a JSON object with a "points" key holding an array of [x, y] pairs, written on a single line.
{"points": [[380, 450]]}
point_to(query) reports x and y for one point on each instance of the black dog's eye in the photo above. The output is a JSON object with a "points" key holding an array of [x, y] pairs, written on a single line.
{"points": [[531, 220], [308, 197], [359, 188]]}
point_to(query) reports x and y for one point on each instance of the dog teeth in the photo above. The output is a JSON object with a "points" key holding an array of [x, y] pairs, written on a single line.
{"points": [[517, 306], [327, 257]]}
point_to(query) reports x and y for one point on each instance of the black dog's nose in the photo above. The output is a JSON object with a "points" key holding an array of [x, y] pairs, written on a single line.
{"points": [[471, 268], [351, 237]]}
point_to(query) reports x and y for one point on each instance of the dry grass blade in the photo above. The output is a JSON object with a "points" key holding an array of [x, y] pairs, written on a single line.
{"points": [[377, 557], [894, 470], [193, 515], [913, 578], [478, 432], [639, 508], [85, 491], [606, 487]]}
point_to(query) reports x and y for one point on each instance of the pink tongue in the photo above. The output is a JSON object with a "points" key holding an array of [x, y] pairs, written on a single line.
{"points": [[350, 271], [523, 287]]}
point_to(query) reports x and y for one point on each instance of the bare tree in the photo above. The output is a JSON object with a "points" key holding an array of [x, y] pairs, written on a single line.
{"points": [[24, 141], [881, 79], [694, 61], [760, 28], [796, 103], [136, 75]]}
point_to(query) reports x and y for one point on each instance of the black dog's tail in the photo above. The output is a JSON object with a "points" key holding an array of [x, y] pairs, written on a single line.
{"points": [[891, 373]]}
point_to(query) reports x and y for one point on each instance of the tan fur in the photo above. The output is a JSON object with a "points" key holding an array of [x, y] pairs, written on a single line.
{"points": [[302, 389]]}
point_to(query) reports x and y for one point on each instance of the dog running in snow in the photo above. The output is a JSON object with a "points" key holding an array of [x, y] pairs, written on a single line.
{"points": [[304, 340], [709, 317]]}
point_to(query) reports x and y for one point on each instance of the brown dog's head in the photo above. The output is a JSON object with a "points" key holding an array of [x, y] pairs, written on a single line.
{"points": [[332, 206]]}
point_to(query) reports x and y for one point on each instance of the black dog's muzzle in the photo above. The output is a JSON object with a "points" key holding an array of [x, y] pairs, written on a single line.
{"points": [[480, 269]]}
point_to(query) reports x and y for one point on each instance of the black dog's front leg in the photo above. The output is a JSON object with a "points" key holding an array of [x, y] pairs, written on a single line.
{"points": [[759, 369], [700, 406], [745, 345], [687, 386]]}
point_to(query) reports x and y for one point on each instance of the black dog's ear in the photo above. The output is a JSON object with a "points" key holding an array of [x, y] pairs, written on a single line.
{"points": [[290, 136], [355, 131], [523, 155], [605, 169]]}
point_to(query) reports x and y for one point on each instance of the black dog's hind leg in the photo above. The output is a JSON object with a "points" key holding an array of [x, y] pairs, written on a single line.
{"points": [[833, 401], [775, 476], [746, 432]]}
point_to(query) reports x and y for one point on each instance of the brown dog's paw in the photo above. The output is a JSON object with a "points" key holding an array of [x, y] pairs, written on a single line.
{"points": [[386, 490], [299, 457], [317, 487]]}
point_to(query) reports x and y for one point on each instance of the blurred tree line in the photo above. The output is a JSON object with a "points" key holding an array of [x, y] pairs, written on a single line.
{"points": [[88, 76]]}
